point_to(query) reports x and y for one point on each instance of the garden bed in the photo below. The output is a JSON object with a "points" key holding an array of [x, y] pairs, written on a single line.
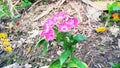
{"points": [[96, 51]]}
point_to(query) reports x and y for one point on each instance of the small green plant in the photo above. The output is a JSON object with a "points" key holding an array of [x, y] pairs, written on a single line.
{"points": [[113, 15], [102, 47], [58, 28], [24, 4], [4, 12], [114, 65], [8, 11]]}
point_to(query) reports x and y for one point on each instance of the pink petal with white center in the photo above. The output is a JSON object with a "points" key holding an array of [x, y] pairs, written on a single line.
{"points": [[51, 22], [50, 35], [63, 27], [73, 22]]}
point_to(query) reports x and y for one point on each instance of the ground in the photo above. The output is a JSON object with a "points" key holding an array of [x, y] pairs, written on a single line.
{"points": [[96, 51]]}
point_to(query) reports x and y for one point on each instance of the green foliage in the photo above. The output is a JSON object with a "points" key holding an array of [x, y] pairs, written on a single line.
{"points": [[67, 40], [114, 65], [113, 15], [113, 9], [72, 62], [45, 48], [78, 63], [64, 56], [24, 4], [40, 42], [5, 12], [80, 38], [55, 64]]}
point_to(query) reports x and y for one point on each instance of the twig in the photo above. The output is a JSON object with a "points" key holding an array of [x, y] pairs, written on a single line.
{"points": [[60, 3], [34, 4], [11, 7], [90, 61], [49, 9], [77, 9], [44, 13], [15, 5]]}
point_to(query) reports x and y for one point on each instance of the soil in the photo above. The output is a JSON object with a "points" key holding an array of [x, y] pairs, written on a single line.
{"points": [[96, 51]]}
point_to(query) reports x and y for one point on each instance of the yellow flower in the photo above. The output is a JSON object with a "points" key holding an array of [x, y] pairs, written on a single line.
{"points": [[3, 35], [116, 16], [6, 43], [100, 29], [9, 49], [118, 3]]}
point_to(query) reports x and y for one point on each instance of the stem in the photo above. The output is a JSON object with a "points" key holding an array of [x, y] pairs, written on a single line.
{"points": [[108, 20]]}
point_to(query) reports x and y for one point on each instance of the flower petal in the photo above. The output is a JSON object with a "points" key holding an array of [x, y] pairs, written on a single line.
{"points": [[101, 29]]}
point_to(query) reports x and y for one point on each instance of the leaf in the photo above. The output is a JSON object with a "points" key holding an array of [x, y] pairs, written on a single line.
{"points": [[79, 63], [107, 24], [26, 1], [117, 65], [116, 8], [112, 64], [64, 56], [40, 42], [80, 38], [45, 48], [55, 64], [70, 64], [109, 8]]}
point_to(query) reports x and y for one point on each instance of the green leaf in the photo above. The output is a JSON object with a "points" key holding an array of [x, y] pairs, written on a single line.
{"points": [[112, 64], [45, 48], [109, 7], [26, 1], [107, 24], [116, 8], [79, 63], [2, 15], [117, 65], [70, 64], [64, 57], [55, 64], [80, 38], [40, 42]]}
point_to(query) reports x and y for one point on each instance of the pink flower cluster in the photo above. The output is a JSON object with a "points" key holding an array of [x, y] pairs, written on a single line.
{"points": [[62, 20]]}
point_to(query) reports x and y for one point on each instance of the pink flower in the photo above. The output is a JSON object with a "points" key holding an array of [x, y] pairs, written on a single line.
{"points": [[60, 16], [63, 27], [50, 35], [73, 22], [50, 23], [46, 28]]}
